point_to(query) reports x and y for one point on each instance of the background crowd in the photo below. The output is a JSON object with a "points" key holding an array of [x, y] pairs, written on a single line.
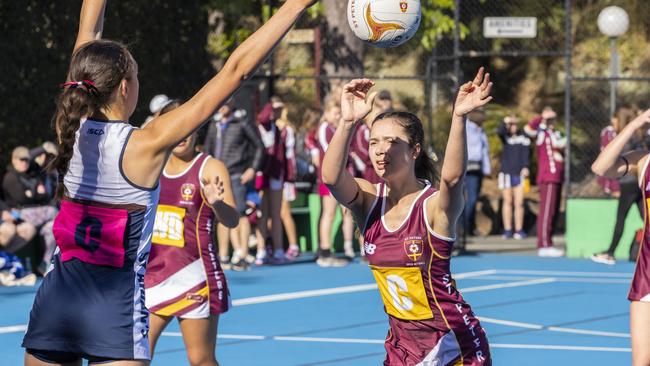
{"points": [[266, 154]]}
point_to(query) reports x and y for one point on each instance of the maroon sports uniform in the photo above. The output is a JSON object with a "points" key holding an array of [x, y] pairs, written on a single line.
{"points": [[430, 323], [184, 277], [640, 289]]}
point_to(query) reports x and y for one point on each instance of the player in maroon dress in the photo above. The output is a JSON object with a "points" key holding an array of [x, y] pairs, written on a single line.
{"points": [[409, 226], [611, 163], [184, 278]]}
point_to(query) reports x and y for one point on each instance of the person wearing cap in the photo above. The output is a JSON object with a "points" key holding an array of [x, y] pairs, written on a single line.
{"points": [[156, 105], [550, 174], [233, 138], [478, 165], [515, 157], [26, 194]]}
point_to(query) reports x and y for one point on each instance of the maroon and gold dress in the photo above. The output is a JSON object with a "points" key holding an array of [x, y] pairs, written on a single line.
{"points": [[184, 277], [430, 323]]}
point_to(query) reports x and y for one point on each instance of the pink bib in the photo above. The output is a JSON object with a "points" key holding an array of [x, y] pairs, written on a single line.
{"points": [[91, 234]]}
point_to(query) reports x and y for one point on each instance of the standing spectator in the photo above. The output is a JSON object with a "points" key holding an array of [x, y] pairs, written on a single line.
{"points": [[550, 174], [515, 158], [622, 114], [478, 165], [288, 138], [323, 136], [233, 138], [629, 191], [25, 193], [270, 182]]}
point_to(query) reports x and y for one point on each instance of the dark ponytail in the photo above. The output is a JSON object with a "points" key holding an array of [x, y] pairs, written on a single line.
{"points": [[96, 70], [425, 166]]}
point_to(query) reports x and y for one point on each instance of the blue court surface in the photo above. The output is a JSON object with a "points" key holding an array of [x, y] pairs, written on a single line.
{"points": [[536, 311]]}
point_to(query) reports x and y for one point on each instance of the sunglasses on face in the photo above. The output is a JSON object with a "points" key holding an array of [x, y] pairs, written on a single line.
{"points": [[26, 160]]}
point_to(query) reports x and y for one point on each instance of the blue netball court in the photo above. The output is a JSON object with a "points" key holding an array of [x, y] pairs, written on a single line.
{"points": [[536, 311]]}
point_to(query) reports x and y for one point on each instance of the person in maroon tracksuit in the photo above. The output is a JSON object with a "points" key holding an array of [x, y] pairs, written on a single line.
{"points": [[550, 174], [614, 163], [409, 226]]}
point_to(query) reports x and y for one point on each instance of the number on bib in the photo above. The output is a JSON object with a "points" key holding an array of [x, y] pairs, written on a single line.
{"points": [[169, 227], [88, 233], [403, 293]]}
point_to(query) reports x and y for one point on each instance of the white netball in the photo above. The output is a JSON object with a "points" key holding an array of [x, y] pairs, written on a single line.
{"points": [[384, 23]]}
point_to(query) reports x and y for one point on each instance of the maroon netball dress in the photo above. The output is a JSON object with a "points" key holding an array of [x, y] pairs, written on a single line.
{"points": [[640, 289], [430, 323], [184, 277]]}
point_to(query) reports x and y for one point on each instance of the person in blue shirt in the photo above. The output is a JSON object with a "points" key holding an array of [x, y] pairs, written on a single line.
{"points": [[478, 165]]}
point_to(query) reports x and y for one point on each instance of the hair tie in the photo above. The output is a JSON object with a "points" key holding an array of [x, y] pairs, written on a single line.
{"points": [[75, 84]]}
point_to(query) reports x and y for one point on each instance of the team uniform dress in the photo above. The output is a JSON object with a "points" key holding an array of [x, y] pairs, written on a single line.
{"points": [[92, 302], [184, 277], [323, 137], [640, 289], [430, 323]]}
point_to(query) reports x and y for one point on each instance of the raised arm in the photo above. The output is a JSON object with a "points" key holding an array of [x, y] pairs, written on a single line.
{"points": [[610, 163], [449, 203], [350, 192], [169, 129], [91, 22]]}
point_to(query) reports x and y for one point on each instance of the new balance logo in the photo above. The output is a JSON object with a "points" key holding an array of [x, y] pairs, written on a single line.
{"points": [[369, 248], [95, 131]]}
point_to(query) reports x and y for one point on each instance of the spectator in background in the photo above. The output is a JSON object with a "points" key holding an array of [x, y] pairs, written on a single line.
{"points": [[550, 174], [478, 165], [288, 138], [628, 186], [611, 186], [270, 182], [233, 138], [515, 158], [156, 105], [323, 136], [14, 233], [26, 194]]}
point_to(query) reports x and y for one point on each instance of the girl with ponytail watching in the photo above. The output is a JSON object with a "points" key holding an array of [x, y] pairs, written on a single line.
{"points": [[91, 305], [409, 226]]}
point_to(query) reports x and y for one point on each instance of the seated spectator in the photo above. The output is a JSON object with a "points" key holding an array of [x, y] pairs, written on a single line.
{"points": [[26, 195]]}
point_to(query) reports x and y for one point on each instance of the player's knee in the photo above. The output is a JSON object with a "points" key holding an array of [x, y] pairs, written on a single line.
{"points": [[199, 357]]}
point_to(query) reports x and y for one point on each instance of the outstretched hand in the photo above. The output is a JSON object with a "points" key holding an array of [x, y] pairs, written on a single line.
{"points": [[213, 190], [473, 94], [355, 101]]}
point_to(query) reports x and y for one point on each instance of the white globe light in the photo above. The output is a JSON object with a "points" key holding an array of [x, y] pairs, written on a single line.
{"points": [[613, 21]]}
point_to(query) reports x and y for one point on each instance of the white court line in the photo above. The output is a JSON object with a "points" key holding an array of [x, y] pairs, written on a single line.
{"points": [[565, 273], [381, 341], [510, 323], [13, 329], [559, 348], [552, 329], [507, 285], [333, 291], [589, 332], [303, 294], [223, 336], [558, 279], [330, 340]]}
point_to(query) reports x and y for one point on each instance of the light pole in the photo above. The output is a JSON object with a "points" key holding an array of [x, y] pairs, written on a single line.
{"points": [[613, 22]]}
